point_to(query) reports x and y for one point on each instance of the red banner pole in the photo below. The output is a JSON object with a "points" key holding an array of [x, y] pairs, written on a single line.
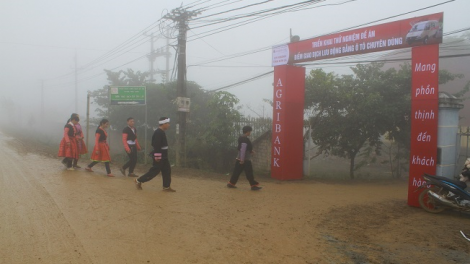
{"points": [[287, 130], [424, 114]]}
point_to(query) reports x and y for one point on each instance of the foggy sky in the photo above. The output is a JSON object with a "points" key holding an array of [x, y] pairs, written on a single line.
{"points": [[40, 39]]}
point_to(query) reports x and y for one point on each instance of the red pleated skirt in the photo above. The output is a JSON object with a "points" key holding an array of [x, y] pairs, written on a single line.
{"points": [[68, 151], [82, 149], [103, 154]]}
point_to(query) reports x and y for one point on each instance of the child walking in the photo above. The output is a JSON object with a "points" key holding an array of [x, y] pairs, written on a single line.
{"points": [[101, 149], [243, 161], [68, 144]]}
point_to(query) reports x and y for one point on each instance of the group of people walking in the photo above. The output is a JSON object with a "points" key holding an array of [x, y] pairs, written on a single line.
{"points": [[72, 146]]}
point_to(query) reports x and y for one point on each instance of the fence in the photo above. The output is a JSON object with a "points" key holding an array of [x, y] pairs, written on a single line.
{"points": [[260, 125], [464, 152]]}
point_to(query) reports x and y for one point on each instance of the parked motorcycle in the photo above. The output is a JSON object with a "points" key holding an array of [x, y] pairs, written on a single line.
{"points": [[441, 193]]}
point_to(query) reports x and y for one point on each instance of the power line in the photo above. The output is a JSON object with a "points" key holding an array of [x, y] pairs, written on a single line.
{"points": [[406, 13], [339, 31], [231, 10], [52, 46], [99, 74], [98, 63], [231, 66], [135, 40], [259, 15], [244, 81], [216, 5], [269, 47], [333, 63], [191, 6]]}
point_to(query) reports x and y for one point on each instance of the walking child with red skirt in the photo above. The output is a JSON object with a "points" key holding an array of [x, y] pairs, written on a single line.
{"points": [[101, 149], [68, 144]]}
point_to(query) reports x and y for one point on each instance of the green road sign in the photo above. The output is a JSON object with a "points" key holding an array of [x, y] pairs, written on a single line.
{"points": [[128, 95]]}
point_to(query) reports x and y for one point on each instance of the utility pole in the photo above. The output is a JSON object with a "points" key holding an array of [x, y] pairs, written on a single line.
{"points": [[152, 56], [76, 84], [87, 116], [42, 101], [181, 17], [168, 54]]}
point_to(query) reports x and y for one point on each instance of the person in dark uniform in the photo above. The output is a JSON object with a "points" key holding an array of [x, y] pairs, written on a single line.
{"points": [[243, 161], [160, 158], [101, 149], [131, 145]]}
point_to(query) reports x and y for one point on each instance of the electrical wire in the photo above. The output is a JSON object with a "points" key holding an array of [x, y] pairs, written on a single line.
{"points": [[216, 5], [342, 30], [382, 19], [231, 10], [259, 15], [244, 81], [341, 64], [269, 47], [135, 41]]}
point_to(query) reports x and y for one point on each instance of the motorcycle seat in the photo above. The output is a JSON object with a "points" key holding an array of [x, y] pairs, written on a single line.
{"points": [[460, 184]]}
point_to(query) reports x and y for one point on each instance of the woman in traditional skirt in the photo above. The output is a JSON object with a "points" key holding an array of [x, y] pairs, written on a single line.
{"points": [[101, 149], [68, 144], [82, 149]]}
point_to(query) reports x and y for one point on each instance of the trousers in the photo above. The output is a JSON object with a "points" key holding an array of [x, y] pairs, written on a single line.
{"points": [[106, 164], [162, 166], [239, 168], [132, 159]]}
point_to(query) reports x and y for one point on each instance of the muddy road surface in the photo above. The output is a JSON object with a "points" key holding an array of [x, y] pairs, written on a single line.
{"points": [[49, 215]]}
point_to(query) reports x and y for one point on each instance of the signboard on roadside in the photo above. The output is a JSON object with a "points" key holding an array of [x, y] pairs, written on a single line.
{"points": [[128, 95], [407, 33]]}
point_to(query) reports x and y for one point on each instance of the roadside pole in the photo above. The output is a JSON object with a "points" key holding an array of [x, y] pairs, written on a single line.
{"points": [[146, 125], [107, 116], [87, 119]]}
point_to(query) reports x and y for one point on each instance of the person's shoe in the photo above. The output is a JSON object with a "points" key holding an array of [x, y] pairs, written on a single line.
{"points": [[256, 188], [77, 167], [229, 185], [110, 175], [138, 184], [70, 169], [123, 171], [168, 189], [88, 169], [132, 175]]}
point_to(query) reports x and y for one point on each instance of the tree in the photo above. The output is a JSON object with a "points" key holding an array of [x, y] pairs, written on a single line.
{"points": [[346, 112], [351, 113], [210, 125]]}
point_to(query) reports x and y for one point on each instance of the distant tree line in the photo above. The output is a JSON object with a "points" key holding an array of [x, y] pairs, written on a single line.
{"points": [[350, 115]]}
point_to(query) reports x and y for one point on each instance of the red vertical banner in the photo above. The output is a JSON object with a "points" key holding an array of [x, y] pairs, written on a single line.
{"points": [[424, 114], [287, 131]]}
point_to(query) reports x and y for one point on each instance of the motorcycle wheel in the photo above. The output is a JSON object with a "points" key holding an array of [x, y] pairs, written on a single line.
{"points": [[428, 204]]}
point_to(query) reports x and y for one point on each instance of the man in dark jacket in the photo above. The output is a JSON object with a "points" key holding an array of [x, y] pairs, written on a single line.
{"points": [[160, 158], [243, 161], [131, 145]]}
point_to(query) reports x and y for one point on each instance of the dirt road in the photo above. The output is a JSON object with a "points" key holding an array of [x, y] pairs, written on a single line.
{"points": [[49, 215]]}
